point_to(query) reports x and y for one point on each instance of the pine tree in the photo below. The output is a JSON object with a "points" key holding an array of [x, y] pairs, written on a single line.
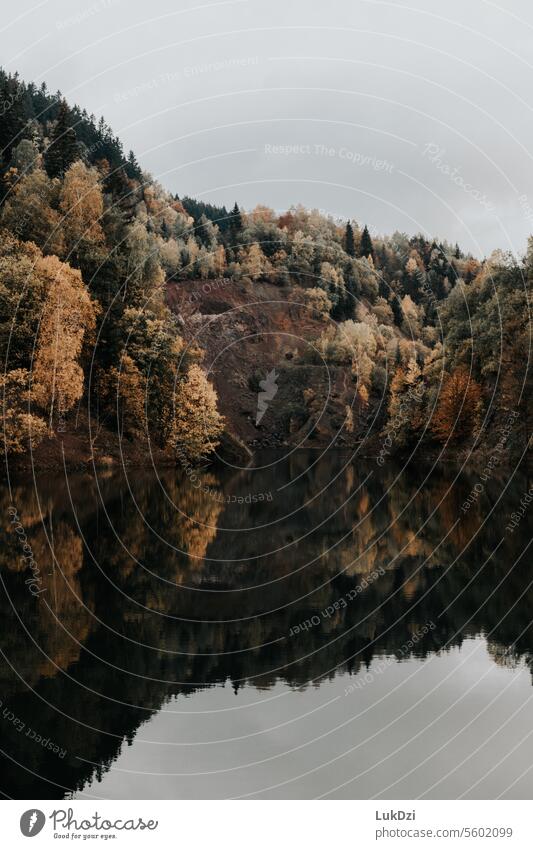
{"points": [[13, 115], [383, 287], [349, 242], [63, 148], [366, 248], [133, 169], [397, 311], [235, 223]]}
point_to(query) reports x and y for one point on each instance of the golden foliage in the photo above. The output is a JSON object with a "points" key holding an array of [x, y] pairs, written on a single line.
{"points": [[458, 406], [196, 424], [123, 391], [67, 314], [21, 428], [83, 206]]}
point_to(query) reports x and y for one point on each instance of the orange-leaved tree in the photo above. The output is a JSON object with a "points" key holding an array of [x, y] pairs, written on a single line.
{"points": [[458, 408]]}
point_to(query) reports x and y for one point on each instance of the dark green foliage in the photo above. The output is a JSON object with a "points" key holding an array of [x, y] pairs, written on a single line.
{"points": [[383, 287], [254, 381], [349, 242], [344, 308], [132, 168], [32, 104], [397, 311], [217, 214], [63, 148], [235, 223], [15, 112], [366, 248]]}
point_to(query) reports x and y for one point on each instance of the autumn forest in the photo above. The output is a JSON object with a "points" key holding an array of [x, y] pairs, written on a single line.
{"points": [[102, 335]]}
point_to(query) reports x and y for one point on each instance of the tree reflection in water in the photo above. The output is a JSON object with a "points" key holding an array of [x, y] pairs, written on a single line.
{"points": [[294, 573]]}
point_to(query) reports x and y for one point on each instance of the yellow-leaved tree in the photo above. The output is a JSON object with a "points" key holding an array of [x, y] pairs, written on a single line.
{"points": [[123, 392], [28, 212], [68, 314], [197, 424], [82, 204], [21, 429]]}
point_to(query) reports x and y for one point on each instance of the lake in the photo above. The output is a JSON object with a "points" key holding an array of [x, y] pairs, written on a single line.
{"points": [[314, 626]]}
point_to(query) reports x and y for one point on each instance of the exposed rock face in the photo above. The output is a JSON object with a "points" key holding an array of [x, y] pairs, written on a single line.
{"points": [[252, 333]]}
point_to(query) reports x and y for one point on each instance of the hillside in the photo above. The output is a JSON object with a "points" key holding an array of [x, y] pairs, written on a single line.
{"points": [[247, 332], [121, 304]]}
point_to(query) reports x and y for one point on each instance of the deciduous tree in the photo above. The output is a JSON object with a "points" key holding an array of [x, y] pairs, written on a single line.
{"points": [[197, 424], [458, 407], [68, 314]]}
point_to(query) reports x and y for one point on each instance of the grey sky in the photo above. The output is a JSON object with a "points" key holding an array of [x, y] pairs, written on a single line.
{"points": [[357, 107]]}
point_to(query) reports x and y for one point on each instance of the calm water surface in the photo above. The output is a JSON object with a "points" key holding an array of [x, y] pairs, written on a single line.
{"points": [[315, 627]]}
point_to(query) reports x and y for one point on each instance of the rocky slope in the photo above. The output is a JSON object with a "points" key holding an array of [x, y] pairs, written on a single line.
{"points": [[253, 333]]}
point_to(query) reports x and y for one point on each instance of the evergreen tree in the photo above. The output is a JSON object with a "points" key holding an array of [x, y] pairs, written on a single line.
{"points": [[383, 287], [13, 114], [367, 248], [235, 227], [133, 169], [397, 311], [63, 148], [353, 291], [236, 222], [218, 214], [349, 242]]}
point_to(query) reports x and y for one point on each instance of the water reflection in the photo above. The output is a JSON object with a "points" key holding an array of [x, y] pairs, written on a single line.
{"points": [[301, 573]]}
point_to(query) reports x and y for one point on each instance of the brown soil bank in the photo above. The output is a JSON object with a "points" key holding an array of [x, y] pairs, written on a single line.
{"points": [[261, 332]]}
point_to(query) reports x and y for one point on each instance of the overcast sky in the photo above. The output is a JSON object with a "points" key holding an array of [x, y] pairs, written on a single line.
{"points": [[414, 115]]}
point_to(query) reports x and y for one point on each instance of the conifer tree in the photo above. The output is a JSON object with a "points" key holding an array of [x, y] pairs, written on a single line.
{"points": [[367, 248], [349, 242], [235, 223], [397, 311], [13, 118], [63, 148], [133, 169]]}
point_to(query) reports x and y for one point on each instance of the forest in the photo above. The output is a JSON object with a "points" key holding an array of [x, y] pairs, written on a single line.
{"points": [[434, 343]]}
